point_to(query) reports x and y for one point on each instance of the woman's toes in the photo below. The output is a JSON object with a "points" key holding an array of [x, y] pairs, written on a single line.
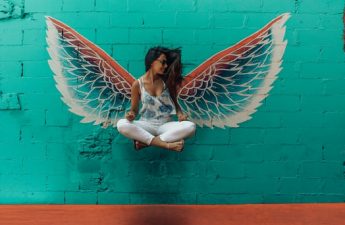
{"points": [[140, 145]]}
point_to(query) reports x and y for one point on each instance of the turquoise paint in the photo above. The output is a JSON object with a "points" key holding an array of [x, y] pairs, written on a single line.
{"points": [[292, 150]]}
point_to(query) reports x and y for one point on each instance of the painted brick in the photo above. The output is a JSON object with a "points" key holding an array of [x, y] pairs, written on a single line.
{"points": [[227, 20], [322, 103], [11, 133], [303, 119], [229, 198], [178, 36], [84, 197], [92, 182], [334, 151], [74, 6], [330, 21], [110, 5], [113, 36], [290, 185], [27, 197], [48, 167], [159, 19], [273, 169], [10, 69], [162, 198], [240, 152], [58, 151], [275, 6], [147, 36], [113, 198], [306, 22], [319, 38], [86, 20], [32, 6], [199, 153], [9, 101], [264, 119], [60, 183], [199, 20], [322, 198], [126, 20], [322, 169], [334, 86], [208, 136], [332, 186], [30, 69], [292, 103], [287, 152], [307, 54], [332, 54], [278, 198], [309, 6], [145, 5], [191, 60], [325, 135], [253, 136], [225, 170], [123, 52], [34, 36], [275, 136], [257, 20], [11, 36], [166, 5], [322, 70], [25, 52], [297, 86]]}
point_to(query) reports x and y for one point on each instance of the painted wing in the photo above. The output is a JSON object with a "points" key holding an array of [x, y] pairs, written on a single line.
{"points": [[92, 84], [229, 86]]}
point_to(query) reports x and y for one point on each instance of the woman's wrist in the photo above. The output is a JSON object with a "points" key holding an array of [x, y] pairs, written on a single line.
{"points": [[133, 112]]}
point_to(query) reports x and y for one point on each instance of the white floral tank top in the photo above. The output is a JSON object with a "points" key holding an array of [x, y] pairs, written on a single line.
{"points": [[155, 107]]}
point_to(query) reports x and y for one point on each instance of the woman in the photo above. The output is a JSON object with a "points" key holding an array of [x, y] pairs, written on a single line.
{"points": [[156, 90]]}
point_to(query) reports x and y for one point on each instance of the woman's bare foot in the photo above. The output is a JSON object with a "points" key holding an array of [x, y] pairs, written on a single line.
{"points": [[176, 146], [173, 146], [139, 145]]}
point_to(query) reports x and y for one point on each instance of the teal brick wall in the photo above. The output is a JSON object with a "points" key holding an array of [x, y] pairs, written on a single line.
{"points": [[293, 150]]}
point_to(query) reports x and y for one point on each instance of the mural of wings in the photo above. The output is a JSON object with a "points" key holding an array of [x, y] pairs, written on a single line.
{"points": [[223, 91], [92, 84], [229, 86]]}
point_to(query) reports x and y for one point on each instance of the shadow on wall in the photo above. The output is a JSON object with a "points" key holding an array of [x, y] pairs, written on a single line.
{"points": [[155, 174], [109, 164]]}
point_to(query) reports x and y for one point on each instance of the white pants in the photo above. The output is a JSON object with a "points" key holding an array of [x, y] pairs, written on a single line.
{"points": [[144, 130]]}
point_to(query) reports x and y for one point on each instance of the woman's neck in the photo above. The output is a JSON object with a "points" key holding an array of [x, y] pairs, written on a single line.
{"points": [[151, 76]]}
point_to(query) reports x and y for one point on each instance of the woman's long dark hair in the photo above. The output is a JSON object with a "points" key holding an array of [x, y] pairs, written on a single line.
{"points": [[173, 74]]}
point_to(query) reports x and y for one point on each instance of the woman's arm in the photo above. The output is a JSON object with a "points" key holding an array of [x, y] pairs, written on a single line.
{"points": [[135, 96]]}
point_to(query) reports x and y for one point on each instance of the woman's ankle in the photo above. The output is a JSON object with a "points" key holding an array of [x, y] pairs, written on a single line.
{"points": [[156, 141]]}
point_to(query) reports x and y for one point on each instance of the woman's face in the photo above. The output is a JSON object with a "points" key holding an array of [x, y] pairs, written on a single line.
{"points": [[159, 65]]}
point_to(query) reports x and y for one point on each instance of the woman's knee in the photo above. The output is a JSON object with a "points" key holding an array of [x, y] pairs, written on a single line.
{"points": [[189, 126], [122, 126]]}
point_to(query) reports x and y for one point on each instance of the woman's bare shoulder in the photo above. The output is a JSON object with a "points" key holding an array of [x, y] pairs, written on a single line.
{"points": [[136, 86], [136, 82]]}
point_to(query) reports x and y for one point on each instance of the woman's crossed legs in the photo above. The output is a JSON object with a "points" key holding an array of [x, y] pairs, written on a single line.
{"points": [[168, 135]]}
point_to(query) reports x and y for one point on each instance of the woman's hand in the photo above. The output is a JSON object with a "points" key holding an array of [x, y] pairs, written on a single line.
{"points": [[130, 115], [106, 124], [181, 116]]}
